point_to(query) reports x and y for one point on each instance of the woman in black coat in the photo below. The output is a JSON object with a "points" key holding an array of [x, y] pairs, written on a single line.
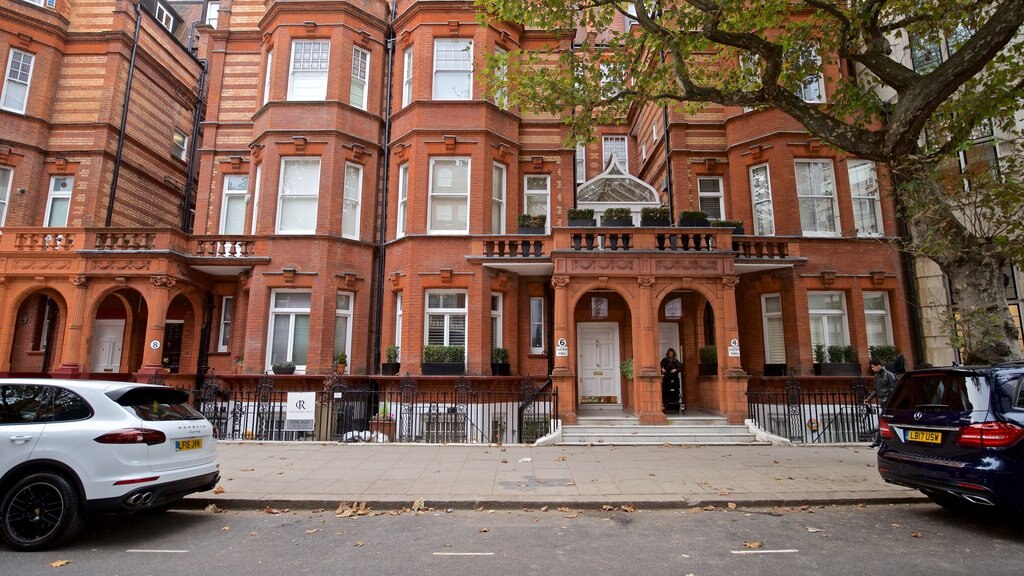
{"points": [[671, 370]]}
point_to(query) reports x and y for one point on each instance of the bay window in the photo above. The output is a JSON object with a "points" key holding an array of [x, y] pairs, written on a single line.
{"points": [[298, 195], [289, 328], [816, 190], [449, 196]]}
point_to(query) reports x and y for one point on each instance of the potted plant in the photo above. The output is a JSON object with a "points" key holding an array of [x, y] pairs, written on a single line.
{"points": [[340, 362], [736, 225], [532, 223], [283, 367], [693, 218], [239, 363], [581, 217], [651, 216], [392, 366], [627, 368], [383, 422], [443, 360], [708, 356], [499, 362], [836, 360], [617, 218], [887, 354]]}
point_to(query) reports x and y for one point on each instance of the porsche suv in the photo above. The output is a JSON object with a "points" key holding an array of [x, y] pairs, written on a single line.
{"points": [[74, 447], [956, 435]]}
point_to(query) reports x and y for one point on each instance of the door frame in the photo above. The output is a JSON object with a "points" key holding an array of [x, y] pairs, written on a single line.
{"points": [[104, 322], [616, 354]]}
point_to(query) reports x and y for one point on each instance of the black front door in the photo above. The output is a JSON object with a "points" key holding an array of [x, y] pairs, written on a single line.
{"points": [[172, 346]]}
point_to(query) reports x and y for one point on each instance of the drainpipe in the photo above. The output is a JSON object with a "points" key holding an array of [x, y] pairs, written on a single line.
{"points": [[197, 118], [124, 116], [385, 164]]}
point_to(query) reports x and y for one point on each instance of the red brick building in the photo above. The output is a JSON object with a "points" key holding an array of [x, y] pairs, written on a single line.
{"points": [[357, 189]]}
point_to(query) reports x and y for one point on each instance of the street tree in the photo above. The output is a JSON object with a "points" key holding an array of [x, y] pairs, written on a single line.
{"points": [[748, 53]]}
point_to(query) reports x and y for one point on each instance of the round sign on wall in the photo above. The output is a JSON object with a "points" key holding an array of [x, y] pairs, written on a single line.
{"points": [[155, 344]]}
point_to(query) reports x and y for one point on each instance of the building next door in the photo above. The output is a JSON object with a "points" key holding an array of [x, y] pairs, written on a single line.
{"points": [[108, 338], [173, 331], [597, 361]]}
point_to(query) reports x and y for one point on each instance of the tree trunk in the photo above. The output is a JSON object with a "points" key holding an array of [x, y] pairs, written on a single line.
{"points": [[980, 323]]}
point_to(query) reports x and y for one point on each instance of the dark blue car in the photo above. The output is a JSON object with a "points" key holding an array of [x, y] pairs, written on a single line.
{"points": [[956, 435]]}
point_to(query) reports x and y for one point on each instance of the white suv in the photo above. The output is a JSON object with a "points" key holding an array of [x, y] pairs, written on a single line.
{"points": [[72, 447]]}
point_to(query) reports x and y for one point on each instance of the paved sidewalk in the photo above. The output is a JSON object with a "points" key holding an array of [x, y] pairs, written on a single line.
{"points": [[258, 474]]}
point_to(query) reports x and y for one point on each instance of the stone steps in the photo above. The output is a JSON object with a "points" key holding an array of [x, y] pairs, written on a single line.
{"points": [[688, 430]]}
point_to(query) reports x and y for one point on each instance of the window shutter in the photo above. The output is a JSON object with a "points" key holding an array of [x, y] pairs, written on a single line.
{"points": [[775, 339]]}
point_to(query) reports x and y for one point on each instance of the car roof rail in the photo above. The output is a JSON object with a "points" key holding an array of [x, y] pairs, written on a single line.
{"points": [[1009, 364]]}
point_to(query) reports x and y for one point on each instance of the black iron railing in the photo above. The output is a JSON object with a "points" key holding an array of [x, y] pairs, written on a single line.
{"points": [[816, 414], [463, 414]]}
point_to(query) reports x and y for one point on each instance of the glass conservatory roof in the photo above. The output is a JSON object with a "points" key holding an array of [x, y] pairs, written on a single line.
{"points": [[614, 185]]}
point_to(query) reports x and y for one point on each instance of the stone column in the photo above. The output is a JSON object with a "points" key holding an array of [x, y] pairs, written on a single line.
{"points": [[732, 380], [646, 371], [155, 321], [562, 376], [6, 328], [76, 330]]}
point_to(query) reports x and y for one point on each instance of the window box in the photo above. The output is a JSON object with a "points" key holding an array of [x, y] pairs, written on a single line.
{"points": [[693, 219], [774, 369], [581, 217], [655, 217], [283, 368], [443, 360], [617, 218], [499, 362], [837, 369], [443, 368], [736, 225], [532, 223]]}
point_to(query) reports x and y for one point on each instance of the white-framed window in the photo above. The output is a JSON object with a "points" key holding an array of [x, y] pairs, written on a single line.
{"points": [[498, 185], [877, 319], [453, 69], [343, 323], [496, 320], [500, 77], [615, 145], [710, 197], [445, 318], [6, 180], [212, 13], [774, 333], [59, 202], [537, 194], [449, 196], [581, 163], [867, 207], [812, 87], [403, 199], [398, 324], [232, 208], [288, 340], [266, 79], [352, 201], [164, 17], [307, 77], [358, 91], [227, 313], [257, 191], [298, 194], [44, 3], [643, 151], [816, 191], [654, 131], [17, 81], [537, 325], [179, 144], [925, 55], [407, 63], [828, 319], [761, 197]]}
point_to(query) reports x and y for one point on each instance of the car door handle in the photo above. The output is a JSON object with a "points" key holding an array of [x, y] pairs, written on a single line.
{"points": [[20, 439]]}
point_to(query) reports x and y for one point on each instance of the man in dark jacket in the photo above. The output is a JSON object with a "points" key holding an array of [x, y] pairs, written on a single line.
{"points": [[885, 381]]}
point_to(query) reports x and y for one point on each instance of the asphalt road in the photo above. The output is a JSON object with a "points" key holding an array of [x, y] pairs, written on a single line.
{"points": [[840, 540]]}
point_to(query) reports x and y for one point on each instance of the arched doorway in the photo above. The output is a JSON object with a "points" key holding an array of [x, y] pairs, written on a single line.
{"points": [[118, 333], [604, 340], [686, 323], [38, 333], [178, 331]]}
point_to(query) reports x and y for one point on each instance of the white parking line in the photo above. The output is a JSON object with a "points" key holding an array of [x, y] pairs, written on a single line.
{"points": [[158, 551], [763, 551], [463, 553]]}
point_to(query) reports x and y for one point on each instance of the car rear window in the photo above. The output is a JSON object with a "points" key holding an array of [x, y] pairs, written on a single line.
{"points": [[940, 391], [157, 404]]}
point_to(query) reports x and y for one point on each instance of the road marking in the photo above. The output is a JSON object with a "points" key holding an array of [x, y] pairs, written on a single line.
{"points": [[158, 551], [463, 553], [763, 551]]}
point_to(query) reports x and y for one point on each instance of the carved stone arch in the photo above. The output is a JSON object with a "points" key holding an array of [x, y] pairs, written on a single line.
{"points": [[581, 289], [18, 299]]}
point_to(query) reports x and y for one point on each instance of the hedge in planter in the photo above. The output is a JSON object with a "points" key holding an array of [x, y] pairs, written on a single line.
{"points": [[532, 223], [617, 218], [392, 366], [736, 225], [836, 360], [693, 218], [581, 217], [708, 356], [655, 217], [443, 360], [499, 362]]}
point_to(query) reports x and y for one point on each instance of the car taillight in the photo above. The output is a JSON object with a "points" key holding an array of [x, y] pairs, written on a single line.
{"points": [[989, 435], [884, 431], [133, 436]]}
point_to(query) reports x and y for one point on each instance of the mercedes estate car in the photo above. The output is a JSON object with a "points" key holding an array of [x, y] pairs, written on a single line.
{"points": [[956, 435], [74, 447]]}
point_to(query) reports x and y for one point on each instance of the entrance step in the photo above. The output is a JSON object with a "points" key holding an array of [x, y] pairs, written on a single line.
{"points": [[689, 430]]}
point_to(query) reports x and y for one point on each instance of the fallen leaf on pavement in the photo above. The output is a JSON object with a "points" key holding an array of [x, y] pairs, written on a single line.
{"points": [[418, 505], [723, 492], [896, 525], [709, 508], [317, 510], [253, 533], [312, 531], [754, 545], [60, 563], [249, 469], [560, 459], [226, 528], [218, 490], [485, 529], [607, 507], [214, 509], [570, 483], [280, 472], [732, 505], [627, 508], [809, 529], [346, 510], [270, 510], [360, 543], [504, 461], [544, 509], [564, 509], [571, 516], [915, 534]]}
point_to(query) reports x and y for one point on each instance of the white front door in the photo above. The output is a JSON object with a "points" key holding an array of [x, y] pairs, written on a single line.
{"points": [[107, 338], [668, 337], [597, 345]]}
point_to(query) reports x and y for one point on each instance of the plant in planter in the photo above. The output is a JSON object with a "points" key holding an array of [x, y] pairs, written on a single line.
{"points": [[532, 223], [383, 422], [392, 366], [499, 362], [283, 367], [581, 217], [340, 362], [889, 355], [693, 218], [443, 360], [736, 225], [627, 368], [617, 217], [239, 363], [708, 356], [836, 360], [655, 216]]}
